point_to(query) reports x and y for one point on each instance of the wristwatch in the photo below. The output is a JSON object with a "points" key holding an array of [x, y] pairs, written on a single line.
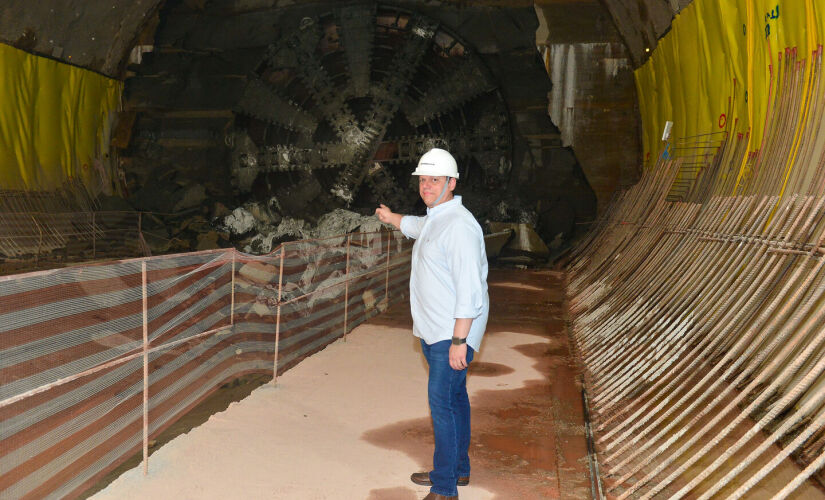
{"points": [[458, 341]]}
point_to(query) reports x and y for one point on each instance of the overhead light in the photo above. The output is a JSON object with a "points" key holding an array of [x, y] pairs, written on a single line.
{"points": [[647, 49]]}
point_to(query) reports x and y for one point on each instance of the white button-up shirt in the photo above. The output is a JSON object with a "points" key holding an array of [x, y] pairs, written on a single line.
{"points": [[449, 272]]}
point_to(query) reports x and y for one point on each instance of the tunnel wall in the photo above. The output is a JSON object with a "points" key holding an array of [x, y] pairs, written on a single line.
{"points": [[97, 360], [55, 123], [717, 69], [699, 316]]}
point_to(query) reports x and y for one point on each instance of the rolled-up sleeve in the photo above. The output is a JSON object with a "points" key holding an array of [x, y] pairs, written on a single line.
{"points": [[468, 260], [411, 226]]}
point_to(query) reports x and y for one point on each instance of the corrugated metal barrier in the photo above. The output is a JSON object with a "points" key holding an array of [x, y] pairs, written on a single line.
{"points": [[97, 360], [700, 321]]}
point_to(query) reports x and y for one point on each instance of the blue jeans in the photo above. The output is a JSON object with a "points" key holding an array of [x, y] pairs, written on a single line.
{"points": [[450, 411]]}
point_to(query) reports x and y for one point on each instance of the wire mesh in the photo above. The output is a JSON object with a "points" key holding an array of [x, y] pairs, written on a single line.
{"points": [[96, 360], [699, 317]]}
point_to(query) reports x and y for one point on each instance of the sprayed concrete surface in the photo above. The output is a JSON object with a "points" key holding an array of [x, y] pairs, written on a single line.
{"points": [[352, 420]]}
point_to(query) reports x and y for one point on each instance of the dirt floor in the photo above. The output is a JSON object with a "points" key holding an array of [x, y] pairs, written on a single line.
{"points": [[352, 422]]}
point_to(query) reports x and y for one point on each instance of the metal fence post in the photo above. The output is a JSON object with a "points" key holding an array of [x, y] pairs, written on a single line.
{"points": [[39, 241], [387, 279], [346, 289], [232, 306], [278, 316], [145, 372], [94, 237], [144, 247]]}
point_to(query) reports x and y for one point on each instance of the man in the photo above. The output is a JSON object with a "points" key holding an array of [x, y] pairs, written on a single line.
{"points": [[449, 305]]}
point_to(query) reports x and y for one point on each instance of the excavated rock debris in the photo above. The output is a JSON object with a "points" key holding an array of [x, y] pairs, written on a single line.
{"points": [[257, 227]]}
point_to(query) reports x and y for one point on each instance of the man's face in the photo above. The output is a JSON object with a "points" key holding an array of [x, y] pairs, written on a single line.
{"points": [[430, 187]]}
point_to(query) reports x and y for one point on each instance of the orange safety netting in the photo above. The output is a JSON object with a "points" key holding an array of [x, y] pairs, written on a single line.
{"points": [[97, 360]]}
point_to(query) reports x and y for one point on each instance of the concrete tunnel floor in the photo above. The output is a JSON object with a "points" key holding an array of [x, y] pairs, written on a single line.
{"points": [[352, 421]]}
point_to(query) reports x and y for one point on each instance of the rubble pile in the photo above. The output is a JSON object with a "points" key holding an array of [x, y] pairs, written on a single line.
{"points": [[258, 228], [187, 211]]}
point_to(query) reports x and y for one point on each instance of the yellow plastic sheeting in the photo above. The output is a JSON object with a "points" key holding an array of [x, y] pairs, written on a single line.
{"points": [[712, 72], [55, 123]]}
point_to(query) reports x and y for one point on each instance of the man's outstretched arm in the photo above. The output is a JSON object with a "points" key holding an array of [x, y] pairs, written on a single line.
{"points": [[410, 225], [387, 216]]}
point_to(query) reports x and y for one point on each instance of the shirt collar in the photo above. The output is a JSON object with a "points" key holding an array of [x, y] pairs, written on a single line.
{"points": [[455, 202]]}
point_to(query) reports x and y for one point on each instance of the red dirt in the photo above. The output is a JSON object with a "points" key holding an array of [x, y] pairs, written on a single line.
{"points": [[527, 442]]}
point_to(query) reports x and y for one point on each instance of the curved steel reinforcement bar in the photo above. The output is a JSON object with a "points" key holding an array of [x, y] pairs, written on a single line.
{"points": [[698, 316]]}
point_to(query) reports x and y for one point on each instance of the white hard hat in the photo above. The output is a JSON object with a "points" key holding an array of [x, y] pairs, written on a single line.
{"points": [[437, 162]]}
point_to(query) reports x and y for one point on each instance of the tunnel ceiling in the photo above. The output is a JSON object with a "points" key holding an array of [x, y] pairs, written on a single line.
{"points": [[93, 34], [99, 35]]}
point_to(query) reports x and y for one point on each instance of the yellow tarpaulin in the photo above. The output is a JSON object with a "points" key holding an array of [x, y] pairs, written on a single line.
{"points": [[55, 123], [712, 72]]}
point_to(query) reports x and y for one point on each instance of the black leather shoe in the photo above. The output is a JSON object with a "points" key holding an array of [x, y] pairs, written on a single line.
{"points": [[423, 478], [436, 496]]}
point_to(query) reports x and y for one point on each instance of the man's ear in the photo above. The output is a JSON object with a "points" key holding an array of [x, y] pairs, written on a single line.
{"points": [[452, 183]]}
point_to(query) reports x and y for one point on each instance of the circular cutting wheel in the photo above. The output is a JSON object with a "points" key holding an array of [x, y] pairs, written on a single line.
{"points": [[353, 97]]}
